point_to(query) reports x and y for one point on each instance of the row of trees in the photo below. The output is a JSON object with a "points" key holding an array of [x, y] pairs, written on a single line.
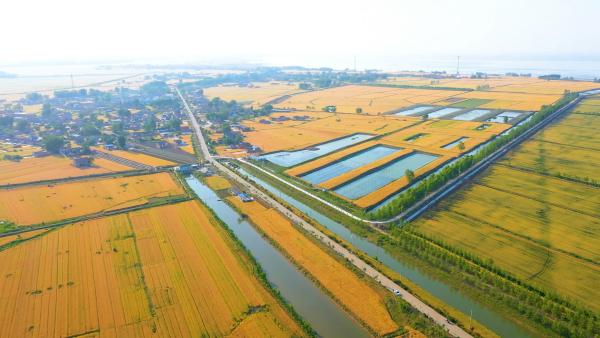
{"points": [[543, 308], [436, 180]]}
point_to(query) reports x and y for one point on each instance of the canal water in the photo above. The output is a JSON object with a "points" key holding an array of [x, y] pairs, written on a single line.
{"points": [[318, 309], [492, 320]]}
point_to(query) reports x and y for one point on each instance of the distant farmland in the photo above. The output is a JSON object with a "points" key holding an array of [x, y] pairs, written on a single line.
{"points": [[165, 271], [52, 167], [536, 214], [256, 93]]}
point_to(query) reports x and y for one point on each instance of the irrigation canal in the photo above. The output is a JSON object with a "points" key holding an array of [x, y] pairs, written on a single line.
{"points": [[484, 315], [317, 308]]}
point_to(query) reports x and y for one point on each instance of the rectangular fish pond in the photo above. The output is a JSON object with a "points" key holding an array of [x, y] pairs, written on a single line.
{"points": [[471, 115], [347, 164], [390, 172], [455, 143], [415, 110], [443, 112], [504, 117], [291, 158]]}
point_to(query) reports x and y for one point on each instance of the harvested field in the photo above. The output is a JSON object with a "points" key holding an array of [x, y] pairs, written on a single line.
{"points": [[522, 216], [52, 167], [189, 147], [66, 200], [255, 94], [124, 276], [354, 293], [217, 183], [141, 158], [371, 99], [229, 152]]}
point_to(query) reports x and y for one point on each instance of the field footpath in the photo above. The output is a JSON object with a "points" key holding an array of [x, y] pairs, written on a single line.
{"points": [[415, 302]]}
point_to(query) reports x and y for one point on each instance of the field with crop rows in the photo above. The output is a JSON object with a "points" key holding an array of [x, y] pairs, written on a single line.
{"points": [[536, 214], [217, 183], [510, 100], [165, 271], [371, 99], [255, 94], [47, 203], [140, 158], [13, 150], [503, 84], [52, 167], [322, 127], [354, 293]]}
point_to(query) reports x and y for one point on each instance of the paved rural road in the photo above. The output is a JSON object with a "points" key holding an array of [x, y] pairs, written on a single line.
{"points": [[453, 329]]}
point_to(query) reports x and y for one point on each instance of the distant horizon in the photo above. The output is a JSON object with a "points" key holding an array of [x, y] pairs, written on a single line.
{"points": [[577, 66]]}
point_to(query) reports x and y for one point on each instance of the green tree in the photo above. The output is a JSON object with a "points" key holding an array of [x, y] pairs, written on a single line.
{"points": [[150, 124], [90, 130], [410, 175], [461, 146], [174, 124], [124, 113], [359, 110], [121, 141], [54, 144], [46, 110]]}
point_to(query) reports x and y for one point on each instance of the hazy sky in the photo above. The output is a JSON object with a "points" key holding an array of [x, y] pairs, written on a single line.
{"points": [[305, 32]]}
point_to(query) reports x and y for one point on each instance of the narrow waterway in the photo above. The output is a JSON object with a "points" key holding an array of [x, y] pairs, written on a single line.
{"points": [[492, 320], [318, 309]]}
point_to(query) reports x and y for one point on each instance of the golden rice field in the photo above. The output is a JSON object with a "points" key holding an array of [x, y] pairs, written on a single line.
{"points": [[371, 99], [322, 129], [530, 222], [217, 182], [502, 83], [140, 158], [26, 235], [353, 292], [510, 100], [165, 271], [536, 227], [189, 147], [52, 167], [71, 199], [255, 94], [21, 150], [569, 148]]}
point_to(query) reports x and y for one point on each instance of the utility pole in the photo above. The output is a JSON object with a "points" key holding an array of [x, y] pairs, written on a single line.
{"points": [[458, 65]]}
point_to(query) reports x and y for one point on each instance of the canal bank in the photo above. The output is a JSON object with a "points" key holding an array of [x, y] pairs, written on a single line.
{"points": [[461, 302], [320, 311]]}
